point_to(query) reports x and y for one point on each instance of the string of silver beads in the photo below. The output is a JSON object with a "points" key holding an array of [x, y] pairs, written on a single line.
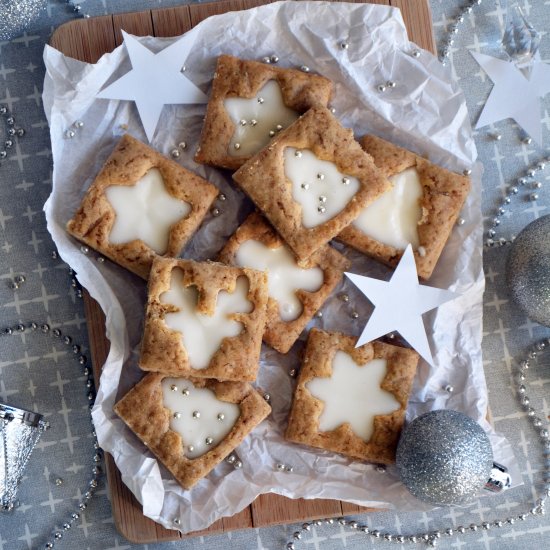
{"points": [[431, 538], [531, 184], [455, 28], [57, 334]]}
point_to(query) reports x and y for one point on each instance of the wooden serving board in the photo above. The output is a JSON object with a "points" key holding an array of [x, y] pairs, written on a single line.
{"points": [[87, 40]]}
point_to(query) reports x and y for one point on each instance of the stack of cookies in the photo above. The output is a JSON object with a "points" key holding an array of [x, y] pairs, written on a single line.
{"points": [[311, 182]]}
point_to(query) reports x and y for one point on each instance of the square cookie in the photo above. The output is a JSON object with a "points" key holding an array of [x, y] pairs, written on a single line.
{"points": [[421, 208], [352, 400], [204, 319], [191, 424], [311, 181], [140, 206], [250, 102], [297, 289]]}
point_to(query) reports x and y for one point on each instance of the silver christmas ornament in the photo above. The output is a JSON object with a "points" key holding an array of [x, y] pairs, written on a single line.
{"points": [[444, 458], [17, 15], [528, 270], [20, 431]]}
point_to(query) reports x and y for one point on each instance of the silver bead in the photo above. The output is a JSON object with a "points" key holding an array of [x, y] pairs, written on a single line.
{"points": [[344, 45], [261, 100], [522, 389], [345, 181], [537, 185], [69, 134], [533, 196], [527, 140], [305, 186], [271, 133], [79, 124], [354, 315], [221, 416], [461, 529], [415, 53], [321, 209], [237, 465], [177, 415], [185, 392], [274, 59], [48, 545], [280, 467], [230, 459], [209, 441], [173, 387], [290, 546], [507, 200], [66, 526], [514, 190], [8, 144], [297, 153], [322, 198], [196, 414], [222, 197], [449, 389], [267, 397], [541, 165], [380, 468], [190, 448], [344, 297], [413, 539], [496, 136], [297, 535], [531, 172], [58, 535], [375, 534], [306, 526], [75, 516], [320, 176], [485, 525], [388, 537], [305, 68], [237, 146], [467, 172], [174, 153], [177, 521], [289, 469], [215, 212], [292, 373], [390, 84], [491, 233], [524, 400], [253, 122], [381, 88], [266, 59], [182, 145]]}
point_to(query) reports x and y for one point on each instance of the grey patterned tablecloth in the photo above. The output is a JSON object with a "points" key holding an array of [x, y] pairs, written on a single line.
{"points": [[42, 373]]}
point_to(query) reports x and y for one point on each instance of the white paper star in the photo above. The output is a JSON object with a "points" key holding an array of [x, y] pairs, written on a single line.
{"points": [[513, 95], [399, 305], [155, 80]]}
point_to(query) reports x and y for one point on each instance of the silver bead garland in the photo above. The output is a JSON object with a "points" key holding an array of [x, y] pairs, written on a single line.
{"points": [[46, 330]]}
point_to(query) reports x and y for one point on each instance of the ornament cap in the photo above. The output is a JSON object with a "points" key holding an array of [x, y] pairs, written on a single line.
{"points": [[499, 479]]}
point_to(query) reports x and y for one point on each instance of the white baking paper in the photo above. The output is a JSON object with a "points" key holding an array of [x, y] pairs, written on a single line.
{"points": [[425, 112]]}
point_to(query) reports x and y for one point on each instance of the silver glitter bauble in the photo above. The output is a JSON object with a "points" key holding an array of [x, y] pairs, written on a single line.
{"points": [[444, 458], [528, 270], [17, 15]]}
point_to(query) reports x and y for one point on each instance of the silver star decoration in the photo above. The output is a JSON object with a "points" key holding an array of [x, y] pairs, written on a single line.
{"points": [[155, 80], [399, 304], [514, 95]]}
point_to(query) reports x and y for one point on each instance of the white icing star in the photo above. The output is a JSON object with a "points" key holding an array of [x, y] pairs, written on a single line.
{"points": [[155, 80], [513, 95], [399, 305], [145, 211], [353, 394]]}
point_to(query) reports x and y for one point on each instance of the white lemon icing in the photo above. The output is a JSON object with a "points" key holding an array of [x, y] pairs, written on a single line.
{"points": [[197, 415], [320, 189], [201, 334], [285, 277], [257, 119], [393, 218], [145, 211], [352, 394]]}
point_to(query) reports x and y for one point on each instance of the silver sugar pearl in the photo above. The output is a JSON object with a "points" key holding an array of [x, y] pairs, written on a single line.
{"points": [[266, 59], [415, 53], [177, 521], [320, 176], [496, 136], [69, 134], [237, 465], [196, 414], [297, 154], [182, 145], [237, 146], [381, 88], [321, 209], [174, 153], [354, 315], [243, 122], [190, 448], [185, 391], [261, 100], [271, 133], [467, 172], [390, 84], [274, 59], [305, 68], [177, 415], [533, 196], [449, 389], [345, 181], [280, 466], [344, 45], [305, 186], [230, 459], [322, 198], [221, 416], [173, 387], [253, 122], [531, 172], [209, 441], [79, 124], [215, 212], [267, 397], [527, 140]]}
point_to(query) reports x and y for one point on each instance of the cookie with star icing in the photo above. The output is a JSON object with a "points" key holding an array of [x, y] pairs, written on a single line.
{"points": [[250, 103], [352, 400], [142, 205]]}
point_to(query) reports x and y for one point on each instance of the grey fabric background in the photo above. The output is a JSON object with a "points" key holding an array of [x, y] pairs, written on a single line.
{"points": [[42, 373]]}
